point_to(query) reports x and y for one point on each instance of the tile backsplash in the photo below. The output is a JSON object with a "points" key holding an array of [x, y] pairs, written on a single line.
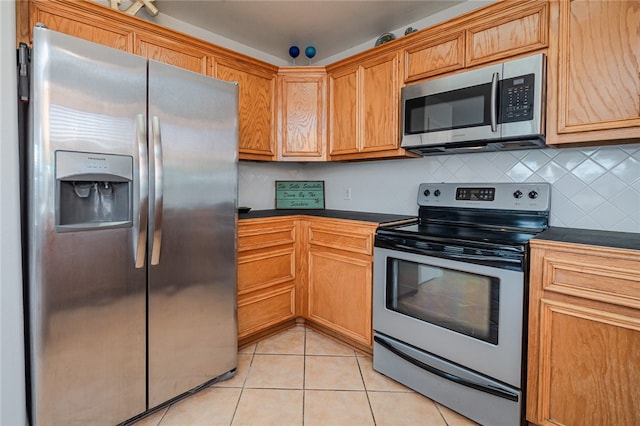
{"points": [[592, 188]]}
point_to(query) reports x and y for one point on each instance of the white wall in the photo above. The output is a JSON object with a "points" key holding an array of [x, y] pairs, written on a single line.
{"points": [[12, 377], [592, 188]]}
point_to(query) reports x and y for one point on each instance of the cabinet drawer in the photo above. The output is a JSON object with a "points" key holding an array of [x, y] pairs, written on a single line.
{"points": [[349, 241], [252, 237], [265, 309], [599, 278], [265, 269]]}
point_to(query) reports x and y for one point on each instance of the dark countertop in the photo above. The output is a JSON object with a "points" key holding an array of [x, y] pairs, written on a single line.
{"points": [[624, 240], [381, 218]]}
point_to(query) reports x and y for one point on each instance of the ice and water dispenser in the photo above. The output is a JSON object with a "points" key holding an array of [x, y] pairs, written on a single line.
{"points": [[93, 191]]}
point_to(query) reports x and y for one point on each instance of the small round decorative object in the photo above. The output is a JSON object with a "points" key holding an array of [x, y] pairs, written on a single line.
{"points": [[294, 51], [384, 38], [310, 52], [409, 31]]}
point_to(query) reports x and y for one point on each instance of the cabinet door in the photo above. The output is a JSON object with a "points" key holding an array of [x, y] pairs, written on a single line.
{"points": [[340, 278], [66, 19], [380, 104], [256, 89], [436, 55], [584, 335], [170, 52], [507, 33], [594, 71], [301, 114], [343, 117]]}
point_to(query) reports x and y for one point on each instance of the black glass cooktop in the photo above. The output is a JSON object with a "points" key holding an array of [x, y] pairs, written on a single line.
{"points": [[468, 233]]}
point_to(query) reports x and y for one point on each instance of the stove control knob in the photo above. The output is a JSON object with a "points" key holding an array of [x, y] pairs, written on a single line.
{"points": [[426, 192], [533, 195], [517, 194], [436, 192]]}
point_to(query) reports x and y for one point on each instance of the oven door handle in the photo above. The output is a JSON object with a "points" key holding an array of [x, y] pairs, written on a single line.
{"points": [[483, 387], [458, 256]]}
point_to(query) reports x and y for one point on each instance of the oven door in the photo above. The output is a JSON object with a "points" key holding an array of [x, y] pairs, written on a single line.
{"points": [[467, 313]]}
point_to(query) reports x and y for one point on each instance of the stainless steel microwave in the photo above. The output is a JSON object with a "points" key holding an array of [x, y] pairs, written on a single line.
{"points": [[497, 107]]}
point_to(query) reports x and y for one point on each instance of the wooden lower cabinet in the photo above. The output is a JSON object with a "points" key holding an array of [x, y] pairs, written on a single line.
{"points": [[584, 335], [266, 275], [309, 269], [339, 278]]}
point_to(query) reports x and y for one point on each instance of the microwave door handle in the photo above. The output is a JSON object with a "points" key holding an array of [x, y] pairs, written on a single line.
{"points": [[494, 102]]}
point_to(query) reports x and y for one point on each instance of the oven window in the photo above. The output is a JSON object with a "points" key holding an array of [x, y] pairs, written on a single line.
{"points": [[460, 301]]}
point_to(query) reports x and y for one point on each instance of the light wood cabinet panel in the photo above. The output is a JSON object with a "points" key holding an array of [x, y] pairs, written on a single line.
{"points": [[364, 107], [166, 51], [496, 32], [256, 93], [340, 293], [511, 32], [584, 335], [343, 116], [437, 55], [264, 310], [339, 277], [265, 269], [594, 72], [267, 274], [301, 114], [380, 101], [63, 18]]}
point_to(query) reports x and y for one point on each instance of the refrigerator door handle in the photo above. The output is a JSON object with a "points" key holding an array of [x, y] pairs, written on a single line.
{"points": [[157, 207], [140, 237]]}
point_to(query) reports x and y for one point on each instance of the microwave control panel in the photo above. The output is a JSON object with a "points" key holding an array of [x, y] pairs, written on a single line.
{"points": [[517, 98]]}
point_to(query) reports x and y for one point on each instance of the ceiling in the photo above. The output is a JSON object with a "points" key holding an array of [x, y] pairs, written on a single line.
{"points": [[272, 27]]}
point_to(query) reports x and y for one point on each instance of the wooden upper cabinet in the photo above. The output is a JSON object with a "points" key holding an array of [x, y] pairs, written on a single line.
{"points": [[496, 32], [380, 98], [301, 114], [256, 92], [161, 49], [343, 117], [436, 55], [364, 107], [512, 31], [594, 72], [65, 18]]}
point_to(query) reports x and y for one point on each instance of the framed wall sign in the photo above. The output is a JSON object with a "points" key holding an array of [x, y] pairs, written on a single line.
{"points": [[299, 194]]}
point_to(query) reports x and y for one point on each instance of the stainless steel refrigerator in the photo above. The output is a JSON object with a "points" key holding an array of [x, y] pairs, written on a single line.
{"points": [[131, 171]]}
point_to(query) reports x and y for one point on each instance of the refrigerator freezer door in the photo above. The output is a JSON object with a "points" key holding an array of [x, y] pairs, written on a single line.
{"points": [[86, 298], [192, 334]]}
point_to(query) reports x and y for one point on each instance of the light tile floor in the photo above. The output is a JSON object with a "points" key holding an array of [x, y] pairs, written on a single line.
{"points": [[303, 378]]}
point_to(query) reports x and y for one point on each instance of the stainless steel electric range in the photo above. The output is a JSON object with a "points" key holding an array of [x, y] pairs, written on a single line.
{"points": [[450, 296]]}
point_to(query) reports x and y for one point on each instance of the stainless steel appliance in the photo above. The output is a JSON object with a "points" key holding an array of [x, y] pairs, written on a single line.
{"points": [[450, 296], [131, 193], [497, 107]]}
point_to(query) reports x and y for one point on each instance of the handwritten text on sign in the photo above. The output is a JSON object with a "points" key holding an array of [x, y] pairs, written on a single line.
{"points": [[299, 194]]}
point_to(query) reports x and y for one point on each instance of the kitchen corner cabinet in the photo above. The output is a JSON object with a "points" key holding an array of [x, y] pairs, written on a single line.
{"points": [[496, 32], [256, 101], [339, 277], [301, 100], [594, 72], [364, 109], [584, 335], [266, 274]]}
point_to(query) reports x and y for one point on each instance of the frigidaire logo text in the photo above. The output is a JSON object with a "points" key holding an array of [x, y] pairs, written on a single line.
{"points": [[97, 158]]}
